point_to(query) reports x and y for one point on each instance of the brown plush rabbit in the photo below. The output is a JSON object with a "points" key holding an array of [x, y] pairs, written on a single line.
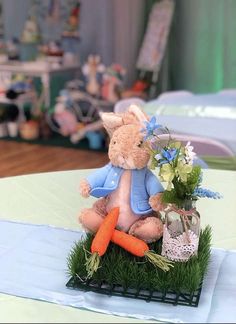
{"points": [[125, 182]]}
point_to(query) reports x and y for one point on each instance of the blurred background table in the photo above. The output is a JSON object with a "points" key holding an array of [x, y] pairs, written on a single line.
{"points": [[53, 199], [44, 70], [212, 116]]}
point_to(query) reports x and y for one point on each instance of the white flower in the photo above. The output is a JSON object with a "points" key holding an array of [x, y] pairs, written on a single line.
{"points": [[189, 154], [158, 157]]}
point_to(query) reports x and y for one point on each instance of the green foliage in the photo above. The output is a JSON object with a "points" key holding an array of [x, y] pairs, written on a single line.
{"points": [[181, 190], [119, 266], [193, 177], [154, 163], [170, 196]]}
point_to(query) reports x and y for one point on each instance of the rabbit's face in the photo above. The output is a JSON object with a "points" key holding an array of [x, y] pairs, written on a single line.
{"points": [[127, 149]]}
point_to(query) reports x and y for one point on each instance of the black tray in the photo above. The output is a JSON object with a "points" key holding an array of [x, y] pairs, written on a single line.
{"points": [[168, 297]]}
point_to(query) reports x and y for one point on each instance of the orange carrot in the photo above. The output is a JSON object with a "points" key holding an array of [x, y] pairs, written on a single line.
{"points": [[105, 231], [130, 243], [102, 240], [139, 248]]}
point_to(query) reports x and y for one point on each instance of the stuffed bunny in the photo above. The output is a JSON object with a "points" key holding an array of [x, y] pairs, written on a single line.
{"points": [[125, 182], [91, 70]]}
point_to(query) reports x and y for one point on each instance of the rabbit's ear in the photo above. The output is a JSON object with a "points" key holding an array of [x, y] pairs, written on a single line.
{"points": [[111, 122], [138, 113]]}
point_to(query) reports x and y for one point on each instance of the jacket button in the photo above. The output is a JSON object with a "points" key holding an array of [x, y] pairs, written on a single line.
{"points": [[112, 182]]}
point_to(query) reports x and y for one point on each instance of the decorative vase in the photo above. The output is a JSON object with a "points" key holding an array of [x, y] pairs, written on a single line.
{"points": [[29, 130], [28, 51], [95, 140], [181, 232]]}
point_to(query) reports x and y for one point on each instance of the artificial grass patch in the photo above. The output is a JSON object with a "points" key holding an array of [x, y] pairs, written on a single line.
{"points": [[120, 267]]}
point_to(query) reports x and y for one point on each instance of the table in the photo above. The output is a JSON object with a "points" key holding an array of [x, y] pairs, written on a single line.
{"points": [[41, 69], [210, 115], [53, 198]]}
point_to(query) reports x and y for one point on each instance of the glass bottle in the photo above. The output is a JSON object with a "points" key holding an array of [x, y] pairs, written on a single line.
{"points": [[181, 231]]}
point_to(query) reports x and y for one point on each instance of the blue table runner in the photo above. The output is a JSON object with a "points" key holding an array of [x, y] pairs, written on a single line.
{"points": [[34, 265]]}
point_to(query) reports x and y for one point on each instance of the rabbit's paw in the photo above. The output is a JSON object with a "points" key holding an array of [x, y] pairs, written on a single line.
{"points": [[156, 203], [90, 220], [84, 188], [149, 229]]}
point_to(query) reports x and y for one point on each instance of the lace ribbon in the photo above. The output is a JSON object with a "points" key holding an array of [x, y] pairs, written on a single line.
{"points": [[184, 217]]}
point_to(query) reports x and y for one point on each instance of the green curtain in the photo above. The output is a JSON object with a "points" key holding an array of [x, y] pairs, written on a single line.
{"points": [[203, 46]]}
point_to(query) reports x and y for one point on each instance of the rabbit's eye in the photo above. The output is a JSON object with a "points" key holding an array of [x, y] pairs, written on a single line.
{"points": [[140, 144]]}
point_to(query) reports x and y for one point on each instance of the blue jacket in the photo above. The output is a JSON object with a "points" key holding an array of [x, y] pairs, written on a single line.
{"points": [[143, 185]]}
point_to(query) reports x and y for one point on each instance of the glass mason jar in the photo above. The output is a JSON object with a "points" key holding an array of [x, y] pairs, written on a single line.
{"points": [[181, 231]]}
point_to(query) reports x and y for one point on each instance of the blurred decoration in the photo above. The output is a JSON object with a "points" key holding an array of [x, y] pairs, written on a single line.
{"points": [[71, 45], [12, 115], [53, 15], [13, 49], [112, 86], [64, 115], [5, 81], [72, 24], [31, 36], [154, 50], [29, 129], [78, 108], [51, 52], [20, 84], [93, 70], [53, 48], [139, 89], [105, 83], [31, 33], [76, 113], [156, 36], [70, 34], [96, 139]]}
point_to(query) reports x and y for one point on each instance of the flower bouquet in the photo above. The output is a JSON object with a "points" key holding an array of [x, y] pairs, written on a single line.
{"points": [[179, 167]]}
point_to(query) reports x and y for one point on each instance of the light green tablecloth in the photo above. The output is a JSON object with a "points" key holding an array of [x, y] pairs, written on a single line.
{"points": [[221, 162], [53, 198]]}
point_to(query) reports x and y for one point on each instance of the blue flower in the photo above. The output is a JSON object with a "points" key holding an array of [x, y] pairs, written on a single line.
{"points": [[168, 155], [151, 126], [206, 193]]}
